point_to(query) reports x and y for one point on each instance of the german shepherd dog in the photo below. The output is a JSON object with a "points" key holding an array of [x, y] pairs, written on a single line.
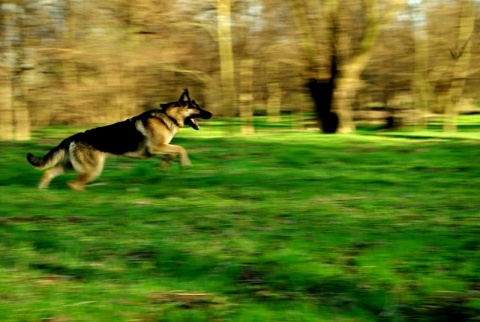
{"points": [[139, 137]]}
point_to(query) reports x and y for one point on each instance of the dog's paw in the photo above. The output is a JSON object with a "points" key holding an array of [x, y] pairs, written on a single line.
{"points": [[75, 186], [164, 165], [186, 164]]}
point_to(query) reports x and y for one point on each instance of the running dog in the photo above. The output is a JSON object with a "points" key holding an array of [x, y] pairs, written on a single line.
{"points": [[139, 137]]}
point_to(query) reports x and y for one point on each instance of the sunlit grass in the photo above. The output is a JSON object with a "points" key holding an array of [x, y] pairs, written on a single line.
{"points": [[279, 226]]}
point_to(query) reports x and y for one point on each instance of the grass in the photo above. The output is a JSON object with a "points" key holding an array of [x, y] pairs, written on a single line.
{"points": [[280, 226]]}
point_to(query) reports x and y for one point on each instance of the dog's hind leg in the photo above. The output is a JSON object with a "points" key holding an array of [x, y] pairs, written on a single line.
{"points": [[82, 180], [49, 175], [87, 174], [88, 162]]}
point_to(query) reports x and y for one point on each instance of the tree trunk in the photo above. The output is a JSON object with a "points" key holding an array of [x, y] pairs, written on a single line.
{"points": [[321, 86], [421, 86], [346, 88], [246, 96], [274, 93], [21, 113], [69, 64], [352, 59], [7, 121], [24, 68], [22, 120], [225, 51], [14, 114]]}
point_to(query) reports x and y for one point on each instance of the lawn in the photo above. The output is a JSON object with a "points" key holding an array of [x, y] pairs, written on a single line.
{"points": [[279, 226]]}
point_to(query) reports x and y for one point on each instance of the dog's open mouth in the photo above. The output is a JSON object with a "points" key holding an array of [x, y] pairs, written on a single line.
{"points": [[192, 122]]}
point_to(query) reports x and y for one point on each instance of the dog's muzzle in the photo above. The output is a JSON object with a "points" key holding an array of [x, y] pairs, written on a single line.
{"points": [[193, 122]]}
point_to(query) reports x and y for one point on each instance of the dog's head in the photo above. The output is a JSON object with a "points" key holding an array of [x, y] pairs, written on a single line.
{"points": [[185, 111]]}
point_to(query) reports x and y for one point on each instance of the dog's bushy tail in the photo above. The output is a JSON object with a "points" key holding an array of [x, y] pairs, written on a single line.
{"points": [[52, 158]]}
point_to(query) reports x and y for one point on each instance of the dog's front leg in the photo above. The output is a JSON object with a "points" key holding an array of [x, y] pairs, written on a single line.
{"points": [[172, 149]]}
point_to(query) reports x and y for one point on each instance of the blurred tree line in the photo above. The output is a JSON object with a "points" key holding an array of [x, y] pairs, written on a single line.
{"points": [[88, 61]]}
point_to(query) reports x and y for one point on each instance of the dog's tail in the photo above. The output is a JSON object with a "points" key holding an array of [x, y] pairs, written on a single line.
{"points": [[52, 158]]}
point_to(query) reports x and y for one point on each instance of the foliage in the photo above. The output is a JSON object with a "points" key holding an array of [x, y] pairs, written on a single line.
{"points": [[280, 226]]}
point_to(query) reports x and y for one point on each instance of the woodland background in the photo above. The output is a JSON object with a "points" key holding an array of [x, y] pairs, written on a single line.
{"points": [[94, 62], [283, 225]]}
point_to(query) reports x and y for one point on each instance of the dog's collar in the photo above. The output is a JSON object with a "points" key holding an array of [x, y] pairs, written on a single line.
{"points": [[164, 114], [173, 120]]}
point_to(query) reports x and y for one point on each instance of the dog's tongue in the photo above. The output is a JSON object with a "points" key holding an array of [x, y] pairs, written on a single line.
{"points": [[195, 124]]}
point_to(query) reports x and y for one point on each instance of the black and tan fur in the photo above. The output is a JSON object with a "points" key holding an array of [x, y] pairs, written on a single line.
{"points": [[139, 137]]}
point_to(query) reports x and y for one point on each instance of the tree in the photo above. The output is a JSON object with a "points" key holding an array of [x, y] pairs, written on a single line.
{"points": [[461, 55], [352, 31], [443, 46], [14, 71], [225, 53]]}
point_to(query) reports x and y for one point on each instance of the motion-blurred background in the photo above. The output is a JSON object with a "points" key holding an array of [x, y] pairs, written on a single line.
{"points": [[344, 61]]}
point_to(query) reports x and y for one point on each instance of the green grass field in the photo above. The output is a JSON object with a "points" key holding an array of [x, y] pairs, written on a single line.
{"points": [[279, 226]]}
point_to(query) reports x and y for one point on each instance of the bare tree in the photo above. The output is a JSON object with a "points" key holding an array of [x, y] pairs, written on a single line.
{"points": [[461, 55], [352, 30], [225, 52], [14, 71], [443, 38]]}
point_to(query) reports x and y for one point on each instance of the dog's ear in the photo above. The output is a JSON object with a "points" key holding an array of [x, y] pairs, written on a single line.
{"points": [[163, 106], [185, 97]]}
